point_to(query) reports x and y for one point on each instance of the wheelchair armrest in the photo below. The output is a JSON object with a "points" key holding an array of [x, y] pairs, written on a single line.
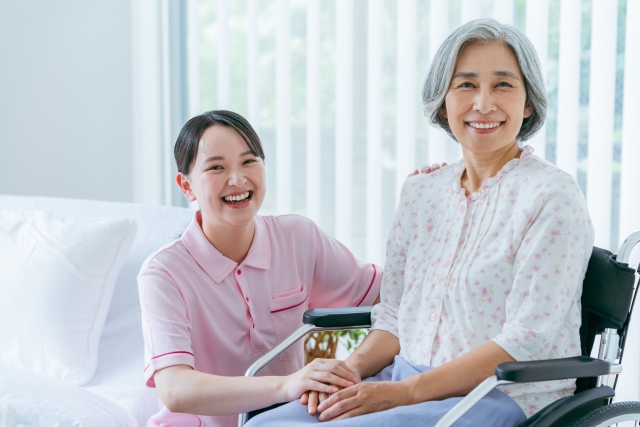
{"points": [[552, 369], [349, 317]]}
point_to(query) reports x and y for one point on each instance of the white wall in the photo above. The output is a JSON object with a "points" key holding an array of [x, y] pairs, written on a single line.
{"points": [[65, 98]]}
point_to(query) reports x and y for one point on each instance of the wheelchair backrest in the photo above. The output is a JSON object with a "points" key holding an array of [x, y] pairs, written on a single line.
{"points": [[608, 295]]}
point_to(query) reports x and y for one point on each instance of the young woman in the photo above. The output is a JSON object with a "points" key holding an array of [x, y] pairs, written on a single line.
{"points": [[485, 258], [235, 284]]}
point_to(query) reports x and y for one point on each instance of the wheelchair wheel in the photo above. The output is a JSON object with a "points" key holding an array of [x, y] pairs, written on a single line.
{"points": [[621, 414]]}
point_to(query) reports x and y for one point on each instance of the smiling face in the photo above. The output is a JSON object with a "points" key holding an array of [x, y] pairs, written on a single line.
{"points": [[485, 103], [226, 178]]}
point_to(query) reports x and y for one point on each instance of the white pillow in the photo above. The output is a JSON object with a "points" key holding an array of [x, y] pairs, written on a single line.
{"points": [[57, 277], [30, 399]]}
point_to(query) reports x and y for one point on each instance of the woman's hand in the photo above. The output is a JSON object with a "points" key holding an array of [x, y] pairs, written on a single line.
{"points": [[427, 169], [313, 398], [321, 375], [363, 398]]}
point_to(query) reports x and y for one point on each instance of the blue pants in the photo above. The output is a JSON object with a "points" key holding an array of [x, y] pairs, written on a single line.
{"points": [[496, 409]]}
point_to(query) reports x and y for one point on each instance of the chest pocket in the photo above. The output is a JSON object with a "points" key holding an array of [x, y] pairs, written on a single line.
{"points": [[287, 309]]}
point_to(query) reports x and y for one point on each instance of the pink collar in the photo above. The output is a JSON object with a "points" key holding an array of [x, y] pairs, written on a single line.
{"points": [[216, 265]]}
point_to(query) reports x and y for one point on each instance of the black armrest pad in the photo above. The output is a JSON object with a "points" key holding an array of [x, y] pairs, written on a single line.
{"points": [[338, 317], [552, 369]]}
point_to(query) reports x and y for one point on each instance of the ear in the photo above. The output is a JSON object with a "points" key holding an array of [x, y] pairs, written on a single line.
{"points": [[528, 110], [443, 110], [185, 186]]}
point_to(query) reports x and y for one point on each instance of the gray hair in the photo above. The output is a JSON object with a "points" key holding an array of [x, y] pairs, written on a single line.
{"points": [[486, 30]]}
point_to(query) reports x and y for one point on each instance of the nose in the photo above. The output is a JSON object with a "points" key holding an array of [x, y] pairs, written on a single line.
{"points": [[236, 178], [484, 102]]}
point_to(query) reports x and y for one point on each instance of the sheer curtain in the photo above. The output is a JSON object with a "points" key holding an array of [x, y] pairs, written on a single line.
{"points": [[333, 89]]}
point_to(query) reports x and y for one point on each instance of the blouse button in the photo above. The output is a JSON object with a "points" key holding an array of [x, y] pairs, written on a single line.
{"points": [[247, 298], [239, 271], [447, 264], [462, 209], [433, 317]]}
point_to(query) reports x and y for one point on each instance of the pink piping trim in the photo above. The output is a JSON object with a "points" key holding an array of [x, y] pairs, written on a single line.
{"points": [[199, 421], [287, 308], [370, 284], [166, 354]]}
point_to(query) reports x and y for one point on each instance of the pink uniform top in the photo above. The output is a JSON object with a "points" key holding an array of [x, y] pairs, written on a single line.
{"points": [[203, 310]]}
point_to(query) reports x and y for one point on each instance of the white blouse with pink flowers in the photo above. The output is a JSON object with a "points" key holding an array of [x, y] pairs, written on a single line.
{"points": [[504, 264]]}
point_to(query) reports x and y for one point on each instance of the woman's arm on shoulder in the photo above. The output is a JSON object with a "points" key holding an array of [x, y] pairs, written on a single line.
{"points": [[339, 278]]}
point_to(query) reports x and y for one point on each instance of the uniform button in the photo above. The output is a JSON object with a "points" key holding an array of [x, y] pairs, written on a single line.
{"points": [[447, 264], [253, 326], [247, 298], [239, 271], [433, 317], [462, 209]]}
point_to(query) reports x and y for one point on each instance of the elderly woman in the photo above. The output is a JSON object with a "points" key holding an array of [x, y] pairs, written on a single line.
{"points": [[485, 258]]}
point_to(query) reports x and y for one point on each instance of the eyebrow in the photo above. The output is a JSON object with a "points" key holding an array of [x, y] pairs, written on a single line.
{"points": [[471, 75], [211, 159]]}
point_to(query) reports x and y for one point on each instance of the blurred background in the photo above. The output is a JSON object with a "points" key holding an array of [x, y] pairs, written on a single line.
{"points": [[93, 95]]}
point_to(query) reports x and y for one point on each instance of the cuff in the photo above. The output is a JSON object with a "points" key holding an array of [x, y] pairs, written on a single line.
{"points": [[380, 319], [374, 287], [165, 360], [513, 348]]}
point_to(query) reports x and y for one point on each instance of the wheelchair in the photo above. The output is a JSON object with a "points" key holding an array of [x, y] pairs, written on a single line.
{"points": [[608, 296]]}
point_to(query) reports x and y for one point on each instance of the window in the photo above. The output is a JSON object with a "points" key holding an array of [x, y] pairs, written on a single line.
{"points": [[333, 89]]}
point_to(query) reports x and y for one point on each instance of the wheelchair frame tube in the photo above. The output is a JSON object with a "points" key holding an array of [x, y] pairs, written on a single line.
{"points": [[469, 400], [624, 252]]}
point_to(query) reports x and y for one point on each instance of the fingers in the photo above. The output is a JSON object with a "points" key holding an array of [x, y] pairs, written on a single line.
{"points": [[322, 397], [342, 373], [329, 379], [338, 404], [304, 398], [415, 172], [312, 406], [434, 167]]}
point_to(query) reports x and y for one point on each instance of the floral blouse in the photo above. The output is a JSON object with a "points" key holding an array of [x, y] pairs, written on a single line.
{"points": [[504, 264]]}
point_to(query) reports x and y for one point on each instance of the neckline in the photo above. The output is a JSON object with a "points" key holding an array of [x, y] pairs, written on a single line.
{"points": [[458, 170]]}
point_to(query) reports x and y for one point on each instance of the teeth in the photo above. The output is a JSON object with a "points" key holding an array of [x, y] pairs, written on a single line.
{"points": [[484, 125], [236, 198]]}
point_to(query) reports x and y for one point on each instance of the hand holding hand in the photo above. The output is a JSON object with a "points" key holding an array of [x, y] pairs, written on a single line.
{"points": [[321, 375], [428, 169], [363, 398], [313, 398]]}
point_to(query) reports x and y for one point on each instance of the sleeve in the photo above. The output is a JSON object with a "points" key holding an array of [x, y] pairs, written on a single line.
{"points": [[340, 279], [548, 271], [165, 326], [385, 315]]}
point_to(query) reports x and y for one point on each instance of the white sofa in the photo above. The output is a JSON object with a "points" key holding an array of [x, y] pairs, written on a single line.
{"points": [[119, 376]]}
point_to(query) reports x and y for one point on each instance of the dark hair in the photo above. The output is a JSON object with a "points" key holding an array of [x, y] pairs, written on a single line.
{"points": [[186, 147]]}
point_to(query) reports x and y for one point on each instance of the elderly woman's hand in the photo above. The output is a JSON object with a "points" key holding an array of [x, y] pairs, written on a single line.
{"points": [[428, 169], [364, 398]]}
